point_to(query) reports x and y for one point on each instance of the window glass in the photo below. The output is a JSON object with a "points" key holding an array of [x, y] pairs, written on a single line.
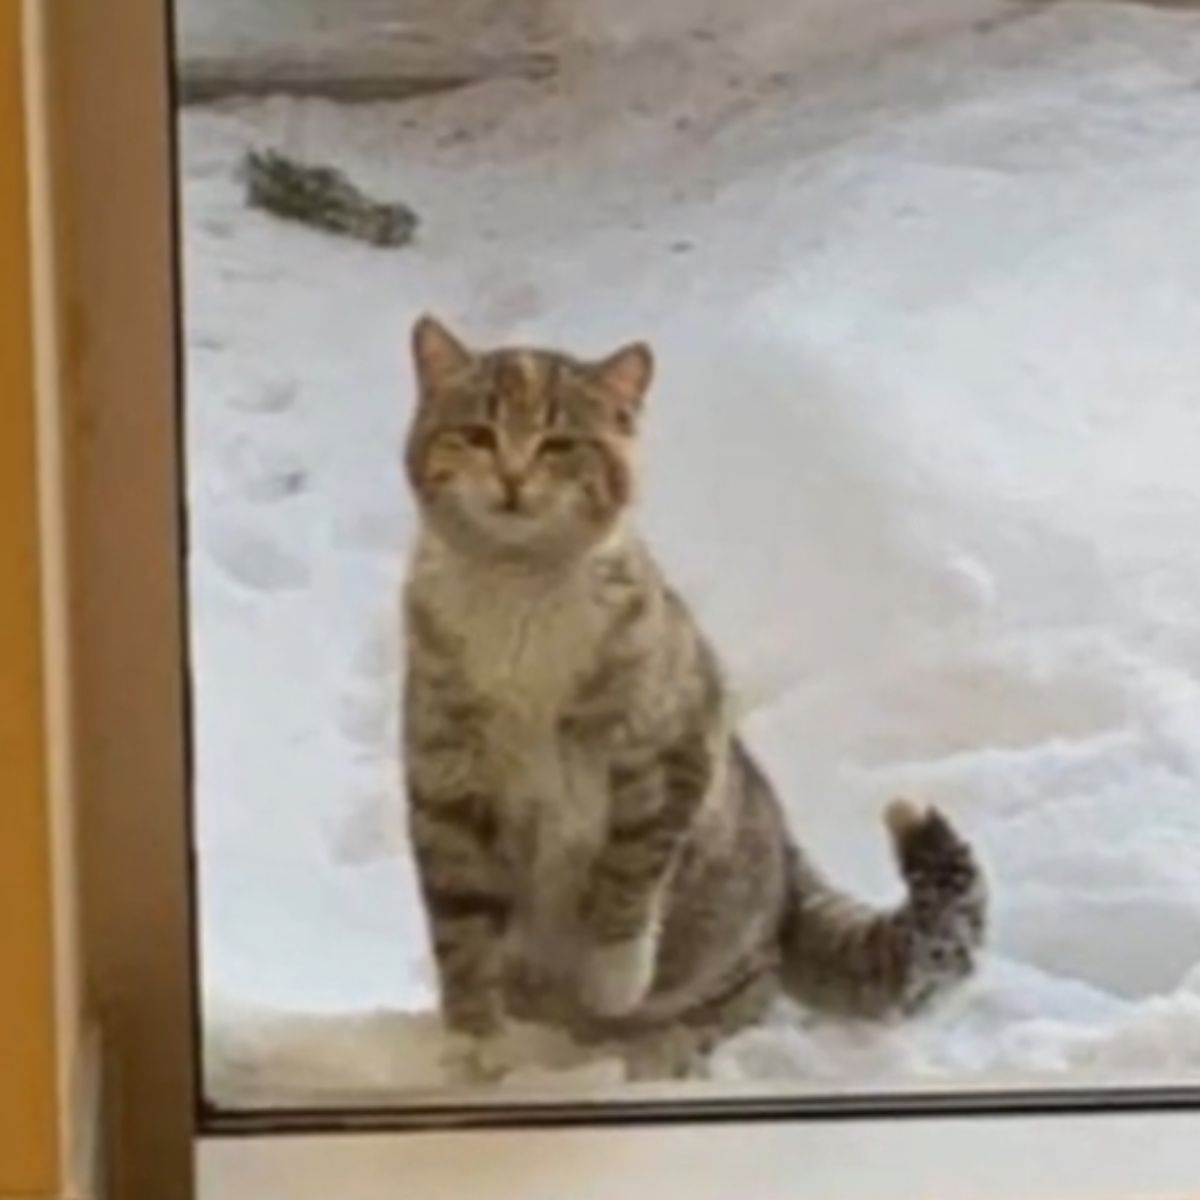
{"points": [[694, 574]]}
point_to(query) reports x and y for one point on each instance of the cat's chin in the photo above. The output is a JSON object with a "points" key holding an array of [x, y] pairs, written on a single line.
{"points": [[505, 535], [535, 541], [509, 525]]}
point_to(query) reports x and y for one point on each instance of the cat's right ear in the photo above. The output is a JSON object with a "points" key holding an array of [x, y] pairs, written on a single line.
{"points": [[436, 351], [627, 374]]}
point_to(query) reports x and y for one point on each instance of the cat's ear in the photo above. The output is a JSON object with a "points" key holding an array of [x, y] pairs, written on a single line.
{"points": [[627, 374], [436, 351]]}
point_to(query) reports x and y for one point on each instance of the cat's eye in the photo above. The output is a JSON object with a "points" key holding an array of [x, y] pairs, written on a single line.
{"points": [[556, 447], [478, 437]]}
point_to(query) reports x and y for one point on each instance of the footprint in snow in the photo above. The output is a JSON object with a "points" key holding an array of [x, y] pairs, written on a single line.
{"points": [[264, 473], [373, 531], [254, 560], [271, 396]]}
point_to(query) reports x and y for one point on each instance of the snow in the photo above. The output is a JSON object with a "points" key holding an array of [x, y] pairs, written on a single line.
{"points": [[922, 456]]}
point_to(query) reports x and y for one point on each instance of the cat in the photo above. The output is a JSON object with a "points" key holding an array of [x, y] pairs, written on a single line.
{"points": [[596, 847]]}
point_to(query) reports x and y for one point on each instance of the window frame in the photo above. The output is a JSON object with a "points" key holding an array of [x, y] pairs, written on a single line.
{"points": [[100, 119], [111, 124]]}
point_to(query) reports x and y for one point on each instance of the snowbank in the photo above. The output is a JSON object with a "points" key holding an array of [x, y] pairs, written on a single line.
{"points": [[923, 456]]}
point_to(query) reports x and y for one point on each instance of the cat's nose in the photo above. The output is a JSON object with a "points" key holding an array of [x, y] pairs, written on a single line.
{"points": [[510, 488]]}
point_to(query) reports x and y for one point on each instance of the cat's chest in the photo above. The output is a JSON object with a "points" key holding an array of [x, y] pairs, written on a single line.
{"points": [[525, 655], [521, 654], [525, 659]]}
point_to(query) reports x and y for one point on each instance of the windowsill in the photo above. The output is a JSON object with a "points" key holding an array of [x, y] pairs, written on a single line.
{"points": [[1096, 1157]]}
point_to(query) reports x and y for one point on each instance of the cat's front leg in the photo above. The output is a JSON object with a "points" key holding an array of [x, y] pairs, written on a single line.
{"points": [[453, 821], [654, 801], [467, 903], [617, 975], [454, 827]]}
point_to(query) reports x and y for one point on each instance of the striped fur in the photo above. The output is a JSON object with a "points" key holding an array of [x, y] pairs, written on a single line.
{"points": [[596, 847]]}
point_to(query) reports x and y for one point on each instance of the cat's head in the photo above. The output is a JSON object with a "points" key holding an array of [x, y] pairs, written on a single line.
{"points": [[523, 453]]}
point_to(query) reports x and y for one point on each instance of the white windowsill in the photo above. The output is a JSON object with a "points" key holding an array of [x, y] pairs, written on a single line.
{"points": [[1146, 1156]]}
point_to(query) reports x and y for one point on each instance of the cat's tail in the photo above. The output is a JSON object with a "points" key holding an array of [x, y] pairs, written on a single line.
{"points": [[842, 956]]}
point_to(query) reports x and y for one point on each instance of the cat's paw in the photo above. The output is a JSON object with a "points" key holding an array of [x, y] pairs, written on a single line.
{"points": [[617, 976], [673, 1052], [470, 1058]]}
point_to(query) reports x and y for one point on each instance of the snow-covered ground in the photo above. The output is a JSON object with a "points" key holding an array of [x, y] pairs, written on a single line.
{"points": [[925, 455]]}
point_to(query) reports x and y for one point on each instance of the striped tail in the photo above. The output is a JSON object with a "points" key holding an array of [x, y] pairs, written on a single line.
{"points": [[840, 955]]}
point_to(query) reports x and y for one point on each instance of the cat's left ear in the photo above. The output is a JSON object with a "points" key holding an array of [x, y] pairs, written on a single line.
{"points": [[627, 374], [436, 351]]}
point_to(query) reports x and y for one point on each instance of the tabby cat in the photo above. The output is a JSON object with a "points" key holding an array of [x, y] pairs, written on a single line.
{"points": [[596, 847]]}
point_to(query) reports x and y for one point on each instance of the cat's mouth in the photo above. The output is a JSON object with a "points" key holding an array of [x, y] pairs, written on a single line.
{"points": [[508, 521], [512, 504], [511, 511]]}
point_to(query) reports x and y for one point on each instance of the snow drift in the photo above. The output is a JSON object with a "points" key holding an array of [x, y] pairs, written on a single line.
{"points": [[922, 455]]}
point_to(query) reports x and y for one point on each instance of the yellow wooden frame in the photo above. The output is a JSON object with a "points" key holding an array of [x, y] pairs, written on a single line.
{"points": [[30, 1137], [99, 126], [93, 719]]}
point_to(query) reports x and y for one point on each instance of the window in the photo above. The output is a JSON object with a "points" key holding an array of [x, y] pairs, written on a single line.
{"points": [[937, 545]]}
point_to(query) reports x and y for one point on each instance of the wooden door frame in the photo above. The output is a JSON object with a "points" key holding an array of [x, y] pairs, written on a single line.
{"points": [[31, 1138], [102, 112], [108, 273]]}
